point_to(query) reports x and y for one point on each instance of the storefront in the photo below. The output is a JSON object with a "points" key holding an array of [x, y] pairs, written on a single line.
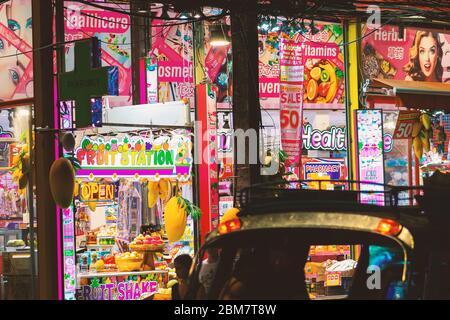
{"points": [[18, 269], [117, 243], [18, 223], [410, 87]]}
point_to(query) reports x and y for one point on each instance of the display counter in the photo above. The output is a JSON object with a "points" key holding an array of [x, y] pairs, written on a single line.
{"points": [[119, 274]]}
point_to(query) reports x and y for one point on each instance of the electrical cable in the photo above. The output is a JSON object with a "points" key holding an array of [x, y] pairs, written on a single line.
{"points": [[142, 15], [138, 25]]}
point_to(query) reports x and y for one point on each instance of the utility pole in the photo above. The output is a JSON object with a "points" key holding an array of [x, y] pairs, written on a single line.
{"points": [[45, 148], [246, 107]]}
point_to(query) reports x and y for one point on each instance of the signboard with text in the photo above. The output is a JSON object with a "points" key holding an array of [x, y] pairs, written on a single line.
{"points": [[387, 54], [405, 123], [370, 154], [291, 98], [165, 156]]}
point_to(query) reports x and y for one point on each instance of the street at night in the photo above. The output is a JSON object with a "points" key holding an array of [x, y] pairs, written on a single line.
{"points": [[221, 150]]}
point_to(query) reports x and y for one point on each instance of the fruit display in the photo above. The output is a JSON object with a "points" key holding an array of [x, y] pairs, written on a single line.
{"points": [[322, 79], [147, 243], [15, 243], [129, 261], [421, 134]]}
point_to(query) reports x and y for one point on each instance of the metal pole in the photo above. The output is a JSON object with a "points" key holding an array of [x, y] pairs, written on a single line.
{"points": [[195, 180], [31, 203]]}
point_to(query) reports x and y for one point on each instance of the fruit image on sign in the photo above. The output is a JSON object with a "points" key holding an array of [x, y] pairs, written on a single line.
{"points": [[322, 82]]}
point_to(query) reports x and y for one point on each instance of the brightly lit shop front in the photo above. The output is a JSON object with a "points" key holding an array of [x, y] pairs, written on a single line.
{"points": [[128, 220]]}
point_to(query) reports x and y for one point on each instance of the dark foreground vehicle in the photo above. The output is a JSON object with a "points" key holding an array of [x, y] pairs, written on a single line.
{"points": [[317, 244]]}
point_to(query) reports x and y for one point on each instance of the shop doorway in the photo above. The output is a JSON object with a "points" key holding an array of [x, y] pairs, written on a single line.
{"points": [[18, 244]]}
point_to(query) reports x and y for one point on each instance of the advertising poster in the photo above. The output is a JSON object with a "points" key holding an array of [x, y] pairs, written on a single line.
{"points": [[172, 48], [114, 32], [269, 70], [414, 55], [291, 88], [323, 60], [151, 75], [370, 154], [16, 67], [324, 68]]}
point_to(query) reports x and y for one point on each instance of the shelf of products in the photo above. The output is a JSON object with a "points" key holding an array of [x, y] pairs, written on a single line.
{"points": [[120, 274]]}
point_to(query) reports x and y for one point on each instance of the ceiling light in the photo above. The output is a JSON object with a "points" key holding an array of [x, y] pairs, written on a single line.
{"points": [[218, 36]]}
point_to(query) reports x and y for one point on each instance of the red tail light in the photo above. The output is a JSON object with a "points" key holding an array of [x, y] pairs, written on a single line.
{"points": [[229, 226], [389, 227]]}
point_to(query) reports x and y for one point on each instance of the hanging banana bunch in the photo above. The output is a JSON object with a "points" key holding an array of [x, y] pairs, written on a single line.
{"points": [[153, 191], [161, 189], [421, 134]]}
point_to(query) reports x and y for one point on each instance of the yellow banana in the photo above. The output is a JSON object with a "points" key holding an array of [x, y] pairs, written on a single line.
{"points": [[425, 120], [417, 126], [164, 186], [425, 141], [418, 147], [76, 190], [153, 191]]}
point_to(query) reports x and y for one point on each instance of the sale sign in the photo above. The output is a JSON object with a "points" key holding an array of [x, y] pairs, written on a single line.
{"points": [[405, 123], [291, 99]]}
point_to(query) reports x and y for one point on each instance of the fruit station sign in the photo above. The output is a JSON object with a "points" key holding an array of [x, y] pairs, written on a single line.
{"points": [[165, 156]]}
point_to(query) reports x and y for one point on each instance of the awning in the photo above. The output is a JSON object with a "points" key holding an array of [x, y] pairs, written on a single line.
{"points": [[413, 94]]}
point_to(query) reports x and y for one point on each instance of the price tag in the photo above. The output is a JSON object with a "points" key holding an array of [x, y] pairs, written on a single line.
{"points": [[333, 279], [405, 122]]}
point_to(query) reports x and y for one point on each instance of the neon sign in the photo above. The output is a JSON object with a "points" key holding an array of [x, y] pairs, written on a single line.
{"points": [[97, 191], [162, 156], [333, 139], [126, 290]]}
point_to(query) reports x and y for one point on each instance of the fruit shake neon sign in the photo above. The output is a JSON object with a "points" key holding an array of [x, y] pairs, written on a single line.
{"points": [[127, 290]]}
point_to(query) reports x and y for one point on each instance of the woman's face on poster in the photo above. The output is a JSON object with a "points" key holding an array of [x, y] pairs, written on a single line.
{"points": [[428, 55], [18, 13], [11, 70]]}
